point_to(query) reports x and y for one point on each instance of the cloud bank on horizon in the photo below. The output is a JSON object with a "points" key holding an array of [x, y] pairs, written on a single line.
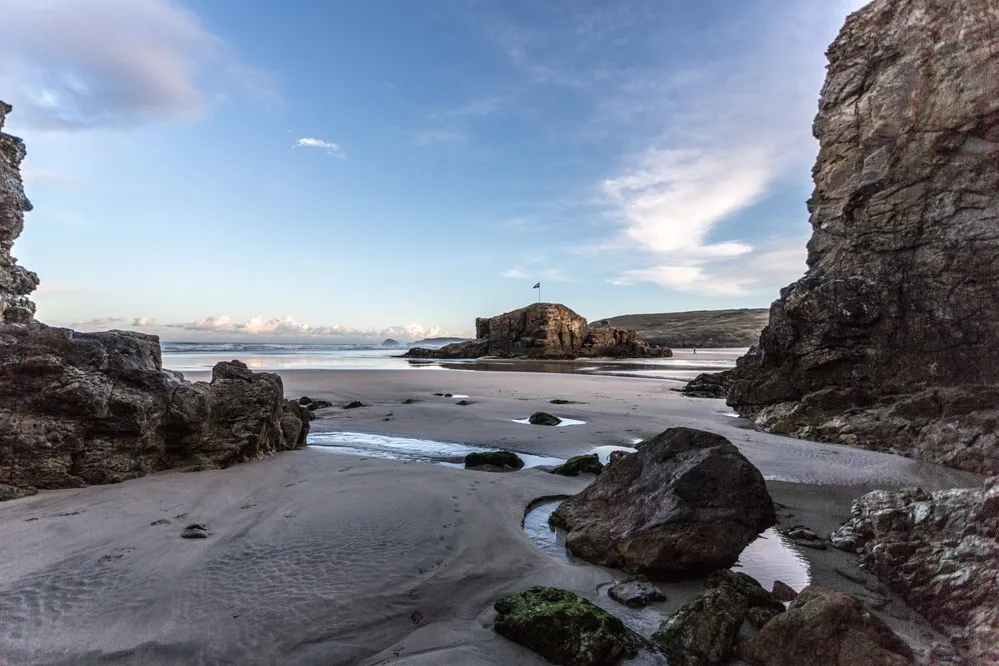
{"points": [[645, 156]]}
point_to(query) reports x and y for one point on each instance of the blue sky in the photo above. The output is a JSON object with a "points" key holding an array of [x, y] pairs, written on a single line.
{"points": [[206, 169]]}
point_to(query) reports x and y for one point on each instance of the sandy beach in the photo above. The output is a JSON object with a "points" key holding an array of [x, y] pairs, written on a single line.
{"points": [[322, 557]]}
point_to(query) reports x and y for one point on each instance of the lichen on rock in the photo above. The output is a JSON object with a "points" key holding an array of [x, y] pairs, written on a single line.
{"points": [[565, 628]]}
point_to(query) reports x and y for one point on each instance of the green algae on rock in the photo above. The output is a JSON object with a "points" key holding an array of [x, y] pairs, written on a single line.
{"points": [[495, 458], [576, 465], [564, 628]]}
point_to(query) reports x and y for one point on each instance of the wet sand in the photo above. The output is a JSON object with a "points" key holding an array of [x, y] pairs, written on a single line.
{"points": [[322, 557]]}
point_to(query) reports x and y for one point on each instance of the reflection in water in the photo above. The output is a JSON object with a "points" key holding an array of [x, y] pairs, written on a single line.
{"points": [[406, 448]]}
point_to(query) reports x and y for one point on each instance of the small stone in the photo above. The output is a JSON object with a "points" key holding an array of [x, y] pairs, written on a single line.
{"points": [[354, 405], [463, 403], [635, 594], [497, 459], [576, 465], [545, 419], [195, 531]]}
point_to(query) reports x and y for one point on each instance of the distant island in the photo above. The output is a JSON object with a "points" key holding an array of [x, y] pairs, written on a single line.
{"points": [[389, 342], [697, 328], [438, 341]]}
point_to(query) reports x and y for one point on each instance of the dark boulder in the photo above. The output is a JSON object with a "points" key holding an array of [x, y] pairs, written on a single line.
{"points": [[564, 628], [826, 627], [576, 465], [500, 459], [544, 418], [355, 404], [710, 385], [687, 503]]}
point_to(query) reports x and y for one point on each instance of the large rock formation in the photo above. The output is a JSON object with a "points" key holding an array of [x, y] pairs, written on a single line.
{"points": [[940, 551], [890, 339], [544, 331], [85, 408], [90, 408], [16, 283], [687, 503]]}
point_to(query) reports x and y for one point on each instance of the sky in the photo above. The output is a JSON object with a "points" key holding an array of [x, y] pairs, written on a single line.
{"points": [[324, 171]]}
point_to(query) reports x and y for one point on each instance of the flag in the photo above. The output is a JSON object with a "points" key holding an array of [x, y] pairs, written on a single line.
{"points": [[537, 286]]}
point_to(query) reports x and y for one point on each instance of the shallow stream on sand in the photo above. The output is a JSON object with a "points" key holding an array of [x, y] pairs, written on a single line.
{"points": [[770, 557]]}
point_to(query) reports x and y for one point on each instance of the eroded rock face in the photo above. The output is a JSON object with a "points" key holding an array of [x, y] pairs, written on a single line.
{"points": [[687, 503], [16, 282], [710, 385], [826, 627], [889, 341], [544, 331], [90, 408], [940, 551]]}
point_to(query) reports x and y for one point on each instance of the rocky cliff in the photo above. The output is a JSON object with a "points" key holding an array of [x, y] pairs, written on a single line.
{"points": [[544, 331], [15, 282], [87, 408], [890, 339]]}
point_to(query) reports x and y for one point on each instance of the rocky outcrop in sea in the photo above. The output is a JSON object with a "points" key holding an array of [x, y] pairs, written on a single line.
{"points": [[89, 408], [544, 331], [890, 339]]}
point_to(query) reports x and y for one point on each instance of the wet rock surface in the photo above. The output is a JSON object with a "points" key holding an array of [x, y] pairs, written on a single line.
{"points": [[576, 465], [940, 552], [564, 628], [544, 419], [90, 408], [544, 331], [635, 593], [498, 459], [888, 342], [826, 627], [687, 503], [710, 385]]}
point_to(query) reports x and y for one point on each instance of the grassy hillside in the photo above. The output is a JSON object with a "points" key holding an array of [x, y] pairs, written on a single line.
{"points": [[702, 328]]}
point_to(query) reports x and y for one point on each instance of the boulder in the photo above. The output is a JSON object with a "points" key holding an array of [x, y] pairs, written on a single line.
{"points": [[636, 593], [544, 419], [687, 503], [706, 628], [576, 465], [888, 341], [826, 627], [783, 591], [354, 404], [499, 459], [16, 282], [704, 631], [564, 628], [710, 385], [940, 552], [90, 408], [543, 331]]}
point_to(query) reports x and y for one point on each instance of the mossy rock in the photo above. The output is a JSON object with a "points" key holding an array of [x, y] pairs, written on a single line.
{"points": [[495, 458], [13, 492], [544, 418], [576, 465], [564, 628], [704, 631]]}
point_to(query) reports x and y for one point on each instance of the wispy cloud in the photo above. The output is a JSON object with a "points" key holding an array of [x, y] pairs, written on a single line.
{"points": [[434, 136], [99, 322], [517, 273], [144, 321], [546, 274], [74, 65], [331, 148]]}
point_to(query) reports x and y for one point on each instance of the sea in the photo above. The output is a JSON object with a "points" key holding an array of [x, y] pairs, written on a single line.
{"points": [[276, 357]]}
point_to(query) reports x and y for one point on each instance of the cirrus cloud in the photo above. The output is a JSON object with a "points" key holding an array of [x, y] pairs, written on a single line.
{"points": [[327, 146]]}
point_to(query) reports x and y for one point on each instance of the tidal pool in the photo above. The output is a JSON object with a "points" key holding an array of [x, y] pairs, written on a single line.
{"points": [[406, 448]]}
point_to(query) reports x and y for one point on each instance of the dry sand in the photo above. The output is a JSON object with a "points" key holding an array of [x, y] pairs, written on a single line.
{"points": [[318, 557]]}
